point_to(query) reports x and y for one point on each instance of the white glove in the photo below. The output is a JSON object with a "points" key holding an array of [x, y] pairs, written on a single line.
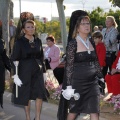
{"points": [[68, 92], [102, 80], [17, 81], [45, 77], [76, 96]]}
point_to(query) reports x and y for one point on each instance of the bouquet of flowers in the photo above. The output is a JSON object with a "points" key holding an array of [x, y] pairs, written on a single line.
{"points": [[115, 101], [50, 86], [57, 93], [53, 91]]}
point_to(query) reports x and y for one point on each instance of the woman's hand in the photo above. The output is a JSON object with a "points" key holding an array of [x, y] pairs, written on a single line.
{"points": [[113, 71], [45, 77]]}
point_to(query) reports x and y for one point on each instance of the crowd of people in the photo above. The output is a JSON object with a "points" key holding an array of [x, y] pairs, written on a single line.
{"points": [[92, 60]]}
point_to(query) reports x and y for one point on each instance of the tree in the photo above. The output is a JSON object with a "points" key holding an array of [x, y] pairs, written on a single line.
{"points": [[62, 23], [115, 2], [11, 10], [97, 17], [4, 16]]}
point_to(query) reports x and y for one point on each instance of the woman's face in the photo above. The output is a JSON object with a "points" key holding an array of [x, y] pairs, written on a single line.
{"points": [[50, 43], [109, 22], [84, 26], [29, 29]]}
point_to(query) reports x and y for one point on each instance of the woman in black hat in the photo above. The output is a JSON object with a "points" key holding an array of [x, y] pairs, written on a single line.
{"points": [[81, 92]]}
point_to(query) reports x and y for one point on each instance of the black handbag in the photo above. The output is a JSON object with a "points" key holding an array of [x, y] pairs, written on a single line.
{"points": [[110, 57], [62, 64], [101, 86], [47, 64]]}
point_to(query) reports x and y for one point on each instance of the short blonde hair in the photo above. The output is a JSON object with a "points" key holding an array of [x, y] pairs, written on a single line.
{"points": [[113, 20], [96, 27]]}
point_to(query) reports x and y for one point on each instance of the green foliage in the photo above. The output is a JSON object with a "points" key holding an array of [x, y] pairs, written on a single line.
{"points": [[115, 2], [53, 27], [97, 17], [50, 27], [39, 27]]}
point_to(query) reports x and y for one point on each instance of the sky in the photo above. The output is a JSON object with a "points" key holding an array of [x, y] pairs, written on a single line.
{"points": [[48, 8]]}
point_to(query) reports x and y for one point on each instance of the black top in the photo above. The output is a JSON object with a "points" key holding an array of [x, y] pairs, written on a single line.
{"points": [[70, 60], [3, 57], [25, 50]]}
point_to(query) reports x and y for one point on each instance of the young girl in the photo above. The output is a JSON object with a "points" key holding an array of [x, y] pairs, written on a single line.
{"points": [[100, 48]]}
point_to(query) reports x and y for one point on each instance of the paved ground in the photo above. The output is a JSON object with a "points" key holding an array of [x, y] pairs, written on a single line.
{"points": [[49, 111]]}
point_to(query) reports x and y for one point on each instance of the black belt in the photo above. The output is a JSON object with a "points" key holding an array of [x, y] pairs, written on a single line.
{"points": [[112, 52], [84, 63]]}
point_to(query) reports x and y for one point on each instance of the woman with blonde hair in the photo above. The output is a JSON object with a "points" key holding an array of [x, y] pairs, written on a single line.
{"points": [[112, 20], [110, 40]]}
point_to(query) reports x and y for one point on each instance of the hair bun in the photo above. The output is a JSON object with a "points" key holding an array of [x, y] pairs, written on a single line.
{"points": [[26, 16]]}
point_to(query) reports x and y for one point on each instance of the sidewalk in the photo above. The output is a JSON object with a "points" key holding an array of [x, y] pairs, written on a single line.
{"points": [[49, 111]]}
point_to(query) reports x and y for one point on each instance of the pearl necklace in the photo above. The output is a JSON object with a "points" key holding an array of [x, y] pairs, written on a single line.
{"points": [[86, 44]]}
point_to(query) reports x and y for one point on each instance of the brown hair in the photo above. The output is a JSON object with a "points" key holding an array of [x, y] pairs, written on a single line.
{"points": [[97, 34], [51, 38], [28, 21], [75, 32]]}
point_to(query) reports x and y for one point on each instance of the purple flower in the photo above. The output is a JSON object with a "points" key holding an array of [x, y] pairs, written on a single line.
{"points": [[115, 100]]}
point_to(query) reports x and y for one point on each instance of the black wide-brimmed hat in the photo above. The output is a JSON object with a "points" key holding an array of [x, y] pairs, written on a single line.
{"points": [[73, 19]]}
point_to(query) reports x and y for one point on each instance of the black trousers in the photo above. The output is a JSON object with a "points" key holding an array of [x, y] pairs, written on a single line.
{"points": [[109, 62], [59, 73]]}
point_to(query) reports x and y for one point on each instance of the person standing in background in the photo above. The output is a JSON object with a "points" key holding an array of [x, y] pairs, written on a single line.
{"points": [[100, 48], [95, 28], [110, 40], [12, 33], [100, 27], [101, 53], [52, 57]]}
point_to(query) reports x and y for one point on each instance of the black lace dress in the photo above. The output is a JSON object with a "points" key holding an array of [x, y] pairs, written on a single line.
{"points": [[81, 71]]}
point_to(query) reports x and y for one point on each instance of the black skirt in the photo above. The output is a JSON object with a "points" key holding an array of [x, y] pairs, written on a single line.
{"points": [[31, 75], [85, 83]]}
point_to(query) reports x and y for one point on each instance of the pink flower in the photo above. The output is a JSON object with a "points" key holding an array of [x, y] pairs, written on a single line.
{"points": [[115, 100]]}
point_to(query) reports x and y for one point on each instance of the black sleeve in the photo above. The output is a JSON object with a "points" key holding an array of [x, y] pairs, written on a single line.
{"points": [[5, 58], [6, 61], [15, 56], [42, 57], [70, 53], [16, 51]]}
